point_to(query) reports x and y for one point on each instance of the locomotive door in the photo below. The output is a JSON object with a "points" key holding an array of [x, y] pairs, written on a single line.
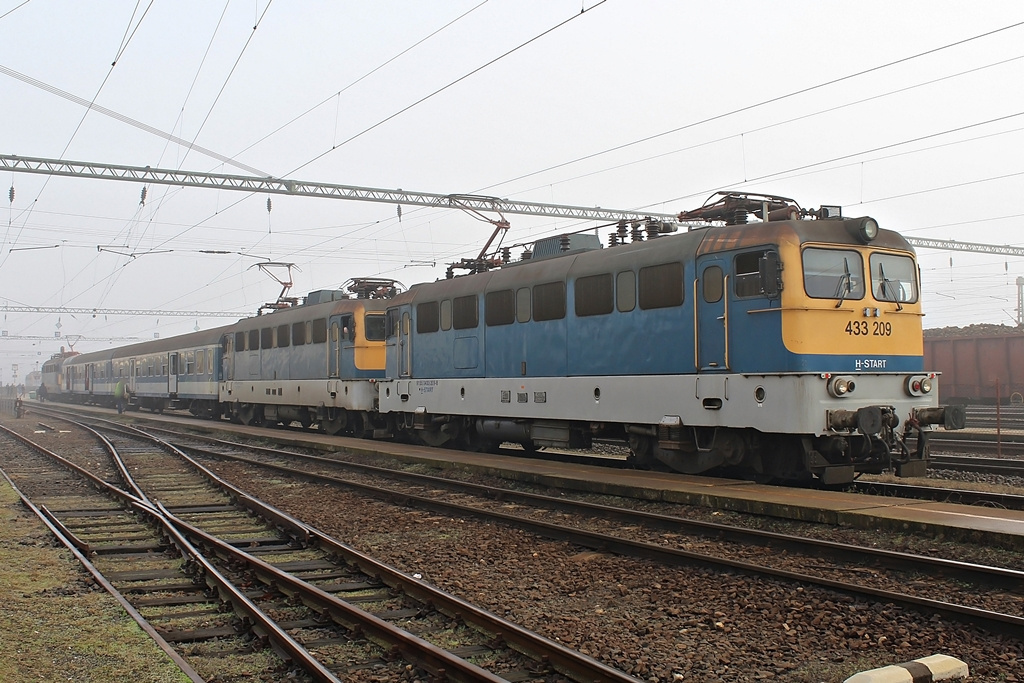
{"points": [[172, 373], [334, 355], [712, 314], [404, 345]]}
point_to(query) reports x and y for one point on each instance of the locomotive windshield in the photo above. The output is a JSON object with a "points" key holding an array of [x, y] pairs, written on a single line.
{"points": [[893, 278], [833, 274]]}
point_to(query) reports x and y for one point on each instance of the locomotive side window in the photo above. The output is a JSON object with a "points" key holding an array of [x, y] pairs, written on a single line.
{"points": [[298, 334], [713, 286], [254, 340], [465, 312], [549, 301], [500, 307], [319, 331], [283, 338], [893, 278], [428, 317], [375, 326], [523, 305], [446, 314], [267, 337], [833, 274], [594, 295], [748, 273], [625, 291], [661, 286]]}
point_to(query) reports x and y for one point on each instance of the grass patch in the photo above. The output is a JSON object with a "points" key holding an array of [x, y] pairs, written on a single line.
{"points": [[53, 626]]}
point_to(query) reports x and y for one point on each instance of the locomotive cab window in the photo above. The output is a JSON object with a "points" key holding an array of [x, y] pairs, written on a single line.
{"points": [[833, 274], [375, 326], [893, 278], [747, 267]]}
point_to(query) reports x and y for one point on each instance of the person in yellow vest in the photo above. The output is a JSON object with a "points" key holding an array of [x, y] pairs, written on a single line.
{"points": [[119, 395]]}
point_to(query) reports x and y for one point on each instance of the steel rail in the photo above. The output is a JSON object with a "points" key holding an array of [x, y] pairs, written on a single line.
{"points": [[994, 621], [891, 559]]}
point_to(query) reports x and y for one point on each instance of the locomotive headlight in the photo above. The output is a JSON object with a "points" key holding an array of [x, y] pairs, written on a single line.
{"points": [[865, 229], [918, 385], [841, 386]]}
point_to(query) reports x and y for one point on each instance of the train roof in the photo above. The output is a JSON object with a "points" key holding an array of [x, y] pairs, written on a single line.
{"points": [[682, 246]]}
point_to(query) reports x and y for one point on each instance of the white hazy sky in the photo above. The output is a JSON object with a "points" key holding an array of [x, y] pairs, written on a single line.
{"points": [[911, 112]]}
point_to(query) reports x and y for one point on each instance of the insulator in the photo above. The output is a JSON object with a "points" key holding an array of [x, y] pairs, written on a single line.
{"points": [[737, 217], [399, 213], [506, 254], [142, 196], [636, 234], [613, 240], [10, 194], [270, 205], [652, 230], [563, 243], [623, 231]]}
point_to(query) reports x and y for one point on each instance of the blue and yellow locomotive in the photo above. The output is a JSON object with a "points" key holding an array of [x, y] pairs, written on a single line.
{"points": [[780, 349]]}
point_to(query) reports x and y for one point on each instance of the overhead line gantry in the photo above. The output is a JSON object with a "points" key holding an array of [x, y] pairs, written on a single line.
{"points": [[302, 188]]}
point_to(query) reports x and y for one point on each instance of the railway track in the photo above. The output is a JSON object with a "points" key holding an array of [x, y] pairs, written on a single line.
{"points": [[311, 583], [846, 568]]}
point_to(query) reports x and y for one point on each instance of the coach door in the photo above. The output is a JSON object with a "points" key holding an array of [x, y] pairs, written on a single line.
{"points": [[172, 373], [711, 296]]}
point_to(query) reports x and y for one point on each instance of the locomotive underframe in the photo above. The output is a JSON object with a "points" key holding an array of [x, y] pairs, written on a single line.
{"points": [[785, 426]]}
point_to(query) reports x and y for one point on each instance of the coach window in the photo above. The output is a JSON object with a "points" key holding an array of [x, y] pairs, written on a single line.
{"points": [[375, 326], [500, 308], [748, 274], [594, 295], [446, 314], [190, 363], [267, 337], [283, 338], [254, 340], [549, 301], [428, 317], [833, 274], [298, 334], [713, 285], [661, 286], [201, 363], [625, 291], [320, 331], [465, 312], [893, 278]]}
